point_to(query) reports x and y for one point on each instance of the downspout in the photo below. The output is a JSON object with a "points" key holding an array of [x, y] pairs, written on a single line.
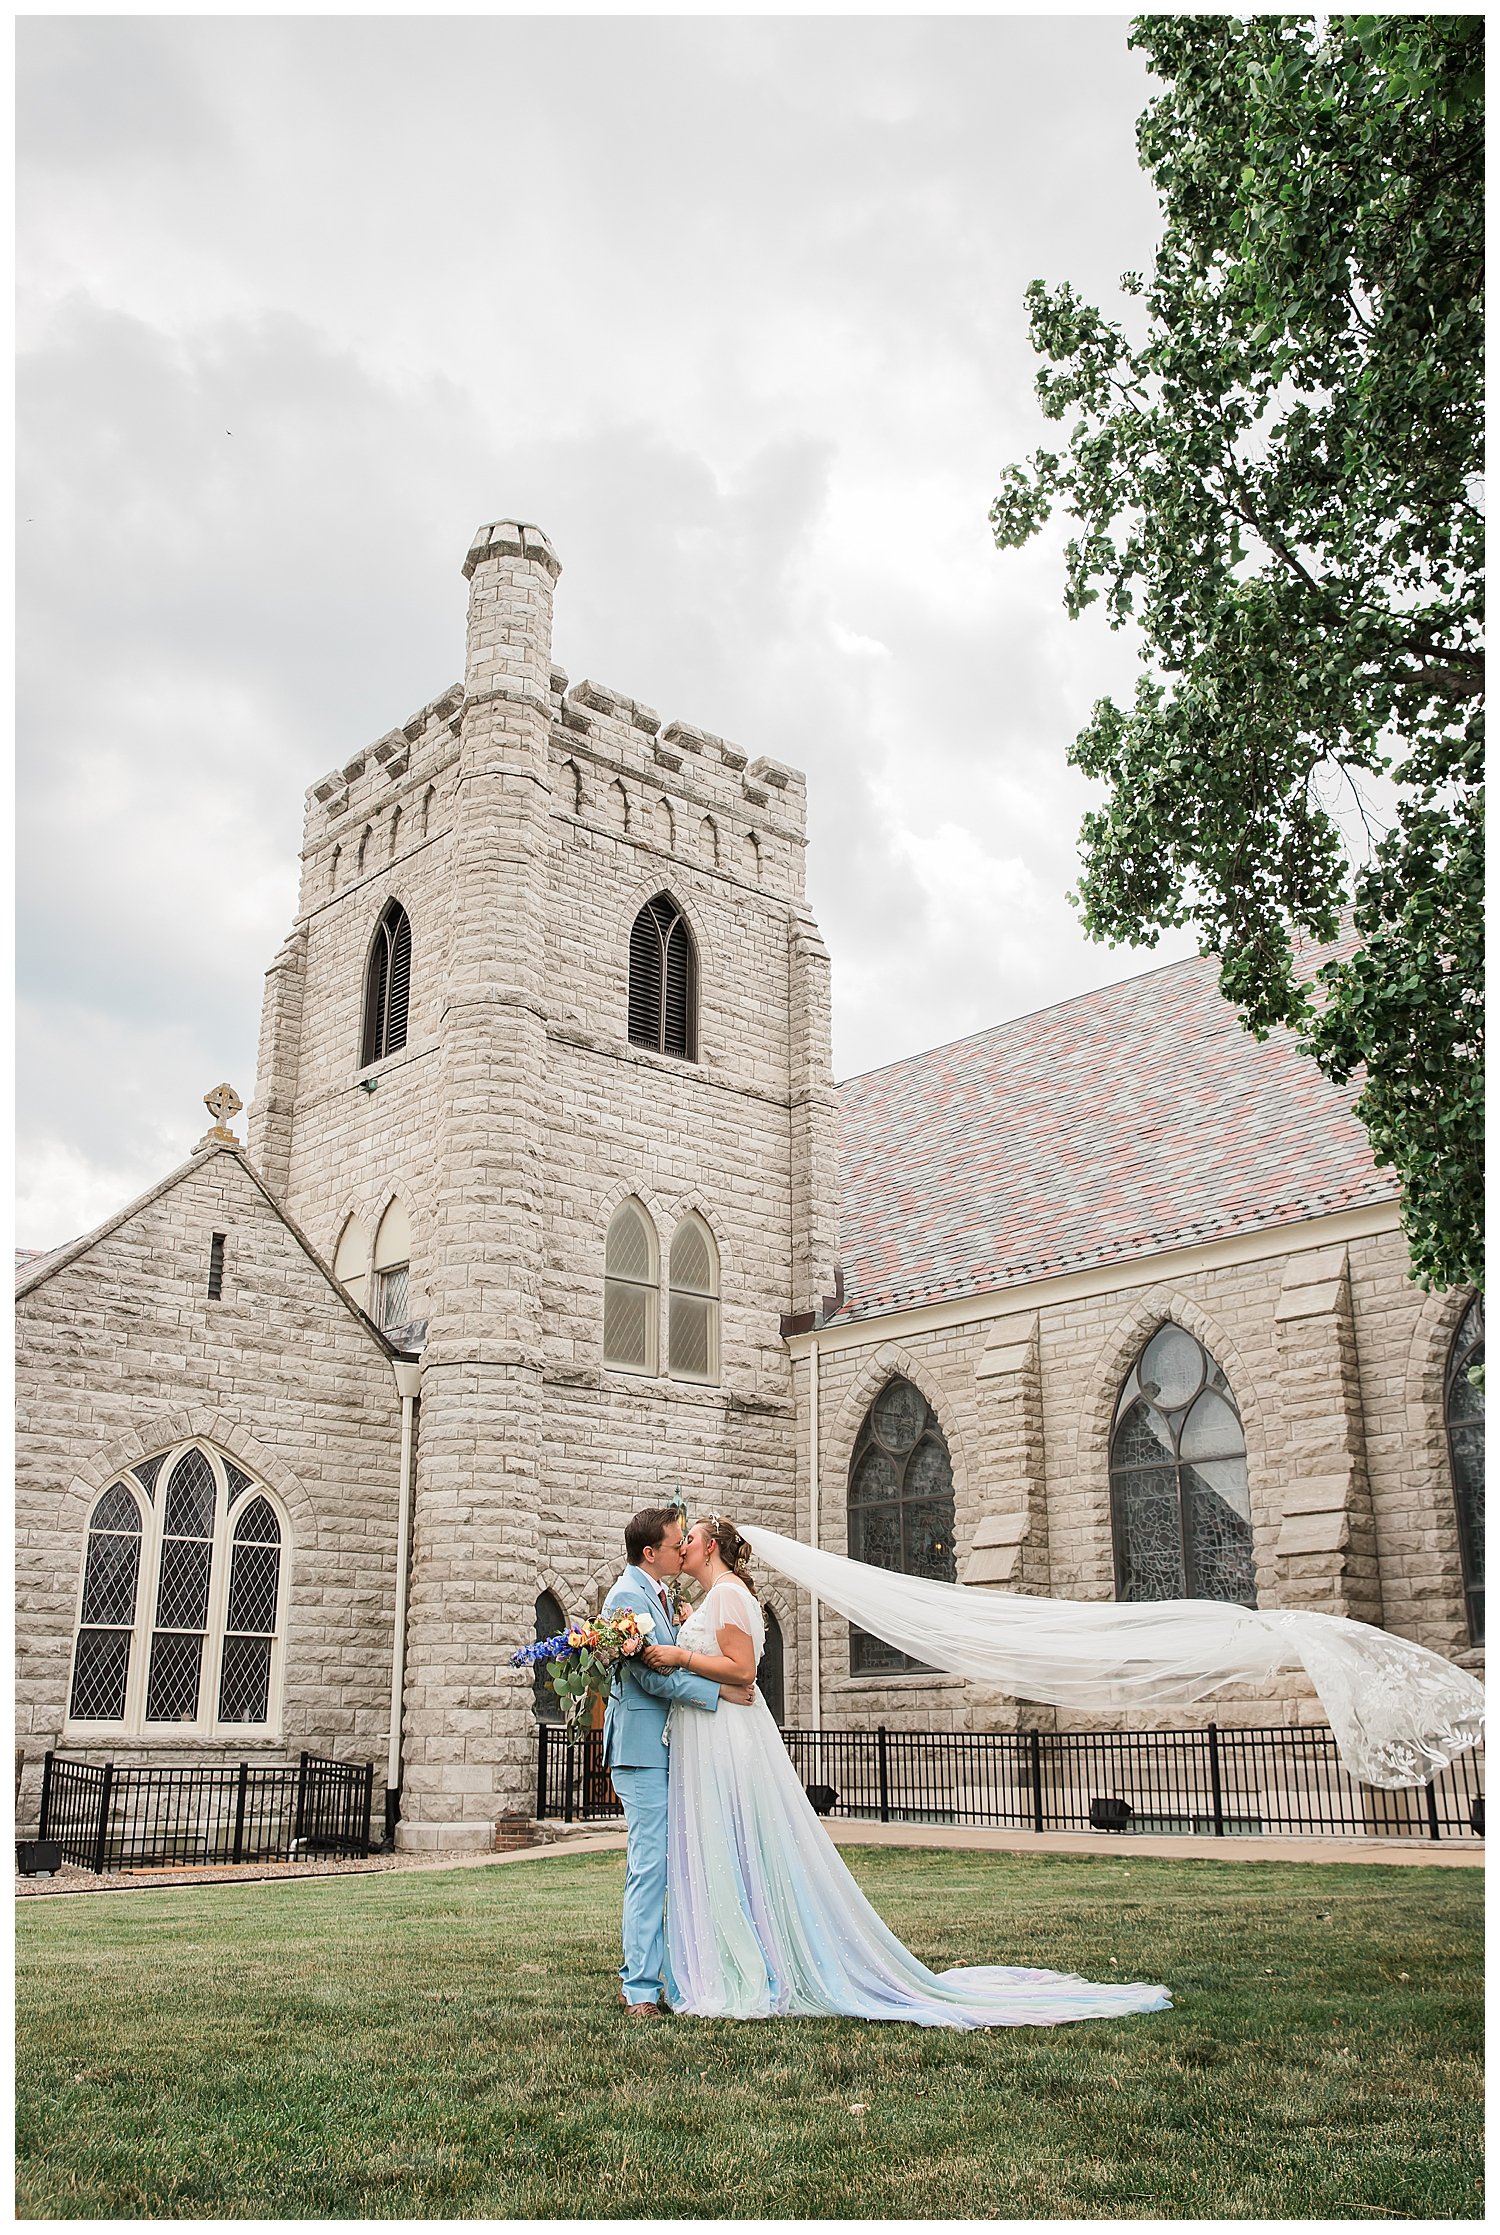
{"points": [[813, 1517], [408, 1373]]}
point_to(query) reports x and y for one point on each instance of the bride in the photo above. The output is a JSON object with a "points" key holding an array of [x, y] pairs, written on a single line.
{"points": [[763, 1918]]}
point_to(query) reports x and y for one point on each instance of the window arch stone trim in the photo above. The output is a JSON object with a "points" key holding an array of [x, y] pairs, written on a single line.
{"points": [[197, 1425]]}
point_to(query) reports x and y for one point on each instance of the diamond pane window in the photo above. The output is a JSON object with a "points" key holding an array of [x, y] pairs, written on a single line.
{"points": [[250, 1620], [1178, 1479], [900, 1506], [1464, 1411], [663, 1004], [111, 1574], [631, 1292], [693, 1303], [182, 1597]]}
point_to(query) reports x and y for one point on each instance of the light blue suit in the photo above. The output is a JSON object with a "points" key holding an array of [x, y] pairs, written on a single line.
{"points": [[635, 1722]]}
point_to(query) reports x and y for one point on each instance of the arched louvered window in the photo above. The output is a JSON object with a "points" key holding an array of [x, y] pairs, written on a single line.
{"points": [[1178, 1479], [693, 1303], [770, 1677], [632, 1294], [663, 981], [111, 1573], [1463, 1410], [550, 1622], [387, 985], [180, 1616], [900, 1506]]}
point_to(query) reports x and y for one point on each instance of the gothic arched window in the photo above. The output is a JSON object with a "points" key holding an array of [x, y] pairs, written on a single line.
{"points": [[693, 1303], [181, 1615], [900, 1506], [632, 1294], [770, 1677], [387, 985], [1463, 1410], [550, 1622], [1178, 1479], [663, 981]]}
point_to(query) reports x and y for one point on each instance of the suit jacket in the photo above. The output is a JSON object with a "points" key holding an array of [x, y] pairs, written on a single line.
{"points": [[635, 1717]]}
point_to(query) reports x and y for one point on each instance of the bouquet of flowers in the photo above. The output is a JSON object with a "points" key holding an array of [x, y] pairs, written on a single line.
{"points": [[583, 1659]]}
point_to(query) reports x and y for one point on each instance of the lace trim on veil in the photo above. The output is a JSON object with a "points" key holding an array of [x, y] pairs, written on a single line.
{"points": [[1399, 1713]]}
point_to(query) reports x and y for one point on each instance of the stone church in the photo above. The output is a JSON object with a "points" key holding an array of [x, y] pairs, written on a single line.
{"points": [[550, 1208]]}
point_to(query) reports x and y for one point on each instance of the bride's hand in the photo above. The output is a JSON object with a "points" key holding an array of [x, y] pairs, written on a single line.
{"points": [[661, 1657]]}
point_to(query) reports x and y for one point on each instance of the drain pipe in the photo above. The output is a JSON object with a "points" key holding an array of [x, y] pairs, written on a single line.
{"points": [[408, 1373], [814, 1520]]}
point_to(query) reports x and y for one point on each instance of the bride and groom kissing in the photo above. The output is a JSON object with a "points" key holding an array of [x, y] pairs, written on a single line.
{"points": [[737, 1902]]}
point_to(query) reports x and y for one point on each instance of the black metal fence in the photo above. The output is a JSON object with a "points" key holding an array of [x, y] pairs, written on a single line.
{"points": [[141, 1816], [1224, 1782]]}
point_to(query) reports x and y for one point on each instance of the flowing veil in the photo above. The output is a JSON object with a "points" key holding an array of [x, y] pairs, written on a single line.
{"points": [[1399, 1713]]}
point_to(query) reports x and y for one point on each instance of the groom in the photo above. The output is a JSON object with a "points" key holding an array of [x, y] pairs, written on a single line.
{"points": [[635, 1723]]}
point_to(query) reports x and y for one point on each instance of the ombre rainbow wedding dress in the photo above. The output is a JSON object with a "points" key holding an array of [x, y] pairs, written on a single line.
{"points": [[764, 1920]]}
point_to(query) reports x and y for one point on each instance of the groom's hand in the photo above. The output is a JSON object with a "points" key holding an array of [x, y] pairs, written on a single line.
{"points": [[738, 1695]]}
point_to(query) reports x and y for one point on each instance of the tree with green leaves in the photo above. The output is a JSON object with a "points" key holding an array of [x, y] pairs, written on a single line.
{"points": [[1272, 461]]}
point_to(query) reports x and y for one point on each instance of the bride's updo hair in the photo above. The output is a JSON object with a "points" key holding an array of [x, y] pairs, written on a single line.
{"points": [[732, 1548]]}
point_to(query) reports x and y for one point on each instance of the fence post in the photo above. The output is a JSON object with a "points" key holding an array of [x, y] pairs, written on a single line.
{"points": [[882, 1758], [1433, 1827], [1213, 1771], [101, 1842], [568, 1783], [364, 1835], [299, 1819], [239, 1813], [1038, 1817], [541, 1771], [46, 1793]]}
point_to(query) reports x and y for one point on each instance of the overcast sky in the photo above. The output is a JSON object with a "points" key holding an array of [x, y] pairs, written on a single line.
{"points": [[733, 309]]}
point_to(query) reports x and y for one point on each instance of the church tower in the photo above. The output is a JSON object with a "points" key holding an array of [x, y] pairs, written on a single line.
{"points": [[545, 1066]]}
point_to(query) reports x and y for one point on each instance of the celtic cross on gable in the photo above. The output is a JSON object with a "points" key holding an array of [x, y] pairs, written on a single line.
{"points": [[222, 1104]]}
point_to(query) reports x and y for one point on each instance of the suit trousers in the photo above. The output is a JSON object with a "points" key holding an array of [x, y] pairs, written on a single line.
{"points": [[643, 1796]]}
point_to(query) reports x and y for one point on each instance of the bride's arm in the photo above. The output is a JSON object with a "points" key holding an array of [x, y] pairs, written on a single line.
{"points": [[734, 1663]]}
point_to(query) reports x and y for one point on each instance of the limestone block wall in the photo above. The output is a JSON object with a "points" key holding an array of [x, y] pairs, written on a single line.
{"points": [[122, 1353], [1346, 1384]]}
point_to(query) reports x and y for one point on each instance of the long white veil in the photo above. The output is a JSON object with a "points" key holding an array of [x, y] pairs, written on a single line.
{"points": [[1398, 1712]]}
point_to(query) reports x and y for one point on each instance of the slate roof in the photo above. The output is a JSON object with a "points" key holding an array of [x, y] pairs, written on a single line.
{"points": [[1122, 1123]]}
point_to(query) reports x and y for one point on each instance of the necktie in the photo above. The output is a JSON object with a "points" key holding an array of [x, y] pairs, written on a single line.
{"points": [[666, 1610]]}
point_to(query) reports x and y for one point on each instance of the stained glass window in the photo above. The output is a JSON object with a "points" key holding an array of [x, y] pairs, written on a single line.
{"points": [[770, 1677], [1463, 1409], [1178, 1479], [900, 1506], [550, 1622]]}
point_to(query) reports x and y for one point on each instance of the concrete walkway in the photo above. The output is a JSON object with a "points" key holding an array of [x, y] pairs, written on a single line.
{"points": [[594, 1839]]}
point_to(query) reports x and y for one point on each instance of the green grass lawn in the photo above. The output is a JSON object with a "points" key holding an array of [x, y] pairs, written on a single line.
{"points": [[447, 2045]]}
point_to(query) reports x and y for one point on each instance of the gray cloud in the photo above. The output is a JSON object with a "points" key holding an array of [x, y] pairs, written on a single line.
{"points": [[732, 307]]}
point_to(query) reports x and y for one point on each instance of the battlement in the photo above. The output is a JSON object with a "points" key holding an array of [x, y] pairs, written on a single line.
{"points": [[624, 760], [511, 539]]}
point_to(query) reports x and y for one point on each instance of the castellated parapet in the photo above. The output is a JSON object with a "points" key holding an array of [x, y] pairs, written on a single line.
{"points": [[522, 822]]}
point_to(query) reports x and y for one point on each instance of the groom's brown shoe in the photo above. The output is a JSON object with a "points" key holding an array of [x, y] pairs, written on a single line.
{"points": [[639, 2009]]}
